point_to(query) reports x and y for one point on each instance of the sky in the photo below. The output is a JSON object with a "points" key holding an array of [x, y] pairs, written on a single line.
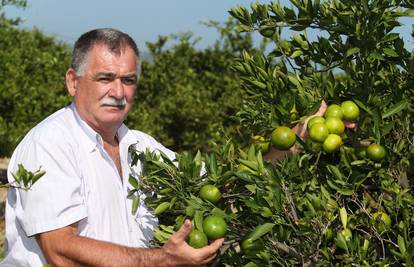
{"points": [[143, 20]]}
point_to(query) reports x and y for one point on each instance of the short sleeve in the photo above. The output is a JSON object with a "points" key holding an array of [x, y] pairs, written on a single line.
{"points": [[56, 200]]}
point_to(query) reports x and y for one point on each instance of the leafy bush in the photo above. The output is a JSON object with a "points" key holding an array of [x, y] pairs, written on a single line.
{"points": [[32, 81], [313, 208], [187, 97]]}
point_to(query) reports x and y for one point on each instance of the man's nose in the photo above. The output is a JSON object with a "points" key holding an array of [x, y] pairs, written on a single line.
{"points": [[117, 89]]}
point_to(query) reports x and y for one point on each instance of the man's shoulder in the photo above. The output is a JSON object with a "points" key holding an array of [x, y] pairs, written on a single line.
{"points": [[55, 127]]}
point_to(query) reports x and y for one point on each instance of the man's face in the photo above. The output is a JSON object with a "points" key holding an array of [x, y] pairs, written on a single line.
{"points": [[103, 94]]}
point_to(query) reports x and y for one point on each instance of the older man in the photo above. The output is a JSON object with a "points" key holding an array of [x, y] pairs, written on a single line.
{"points": [[78, 213]]}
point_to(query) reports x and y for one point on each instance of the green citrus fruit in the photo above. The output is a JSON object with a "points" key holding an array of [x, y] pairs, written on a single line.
{"points": [[335, 125], [381, 221], [261, 143], [252, 248], [332, 143], [283, 138], [197, 239], [214, 227], [318, 132], [334, 110], [347, 234], [210, 192], [314, 120], [375, 152], [350, 110]]}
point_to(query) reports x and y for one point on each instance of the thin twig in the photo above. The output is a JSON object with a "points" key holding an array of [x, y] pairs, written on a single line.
{"points": [[291, 204], [287, 249]]}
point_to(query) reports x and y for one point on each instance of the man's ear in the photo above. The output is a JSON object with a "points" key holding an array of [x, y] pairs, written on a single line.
{"points": [[71, 82]]}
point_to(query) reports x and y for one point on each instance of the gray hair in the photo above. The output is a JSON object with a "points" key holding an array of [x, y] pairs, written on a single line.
{"points": [[113, 39]]}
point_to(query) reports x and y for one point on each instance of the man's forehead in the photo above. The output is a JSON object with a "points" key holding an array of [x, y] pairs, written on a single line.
{"points": [[101, 55], [116, 50]]}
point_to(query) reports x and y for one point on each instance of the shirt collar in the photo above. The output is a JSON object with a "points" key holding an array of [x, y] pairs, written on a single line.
{"points": [[94, 139], [126, 136]]}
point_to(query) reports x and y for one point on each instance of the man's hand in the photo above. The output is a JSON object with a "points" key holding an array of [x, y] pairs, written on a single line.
{"points": [[63, 247], [300, 130], [182, 254]]}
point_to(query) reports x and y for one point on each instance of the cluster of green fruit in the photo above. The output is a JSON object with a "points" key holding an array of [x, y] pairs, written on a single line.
{"points": [[213, 226], [325, 133]]}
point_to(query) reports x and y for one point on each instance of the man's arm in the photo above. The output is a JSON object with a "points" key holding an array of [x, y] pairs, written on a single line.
{"points": [[63, 247]]}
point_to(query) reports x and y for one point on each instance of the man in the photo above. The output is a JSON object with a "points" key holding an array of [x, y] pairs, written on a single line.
{"points": [[78, 213]]}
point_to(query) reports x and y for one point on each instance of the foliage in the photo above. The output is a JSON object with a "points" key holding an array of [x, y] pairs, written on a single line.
{"points": [[24, 179], [310, 209], [187, 96], [32, 81]]}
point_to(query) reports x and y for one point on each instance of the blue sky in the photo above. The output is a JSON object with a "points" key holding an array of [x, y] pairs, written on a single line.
{"points": [[143, 20]]}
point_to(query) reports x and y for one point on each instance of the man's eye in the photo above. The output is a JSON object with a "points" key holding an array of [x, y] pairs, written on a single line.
{"points": [[129, 81], [104, 79]]}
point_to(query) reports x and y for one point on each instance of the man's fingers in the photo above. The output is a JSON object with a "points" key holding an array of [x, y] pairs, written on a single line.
{"points": [[210, 252], [211, 249], [349, 124], [184, 230], [322, 109], [209, 259]]}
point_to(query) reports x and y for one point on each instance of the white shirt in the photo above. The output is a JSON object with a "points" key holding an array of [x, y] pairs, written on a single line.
{"points": [[81, 184]]}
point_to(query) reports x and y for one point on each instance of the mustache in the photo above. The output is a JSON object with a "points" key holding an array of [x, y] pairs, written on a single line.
{"points": [[112, 101]]}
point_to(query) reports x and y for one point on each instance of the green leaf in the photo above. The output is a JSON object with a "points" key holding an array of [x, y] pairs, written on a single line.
{"points": [[161, 208], [135, 204], [335, 171], [296, 54], [390, 52], [341, 242], [37, 175], [344, 216], [250, 264], [250, 163], [251, 188], [375, 55], [401, 244], [198, 220], [198, 159], [352, 51], [213, 165], [341, 190], [400, 106], [364, 107], [166, 159], [266, 212], [260, 231], [294, 80], [252, 153], [133, 181], [243, 28]]}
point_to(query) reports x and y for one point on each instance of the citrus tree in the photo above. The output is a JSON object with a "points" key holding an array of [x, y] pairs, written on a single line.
{"points": [[187, 96], [31, 79], [351, 205]]}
